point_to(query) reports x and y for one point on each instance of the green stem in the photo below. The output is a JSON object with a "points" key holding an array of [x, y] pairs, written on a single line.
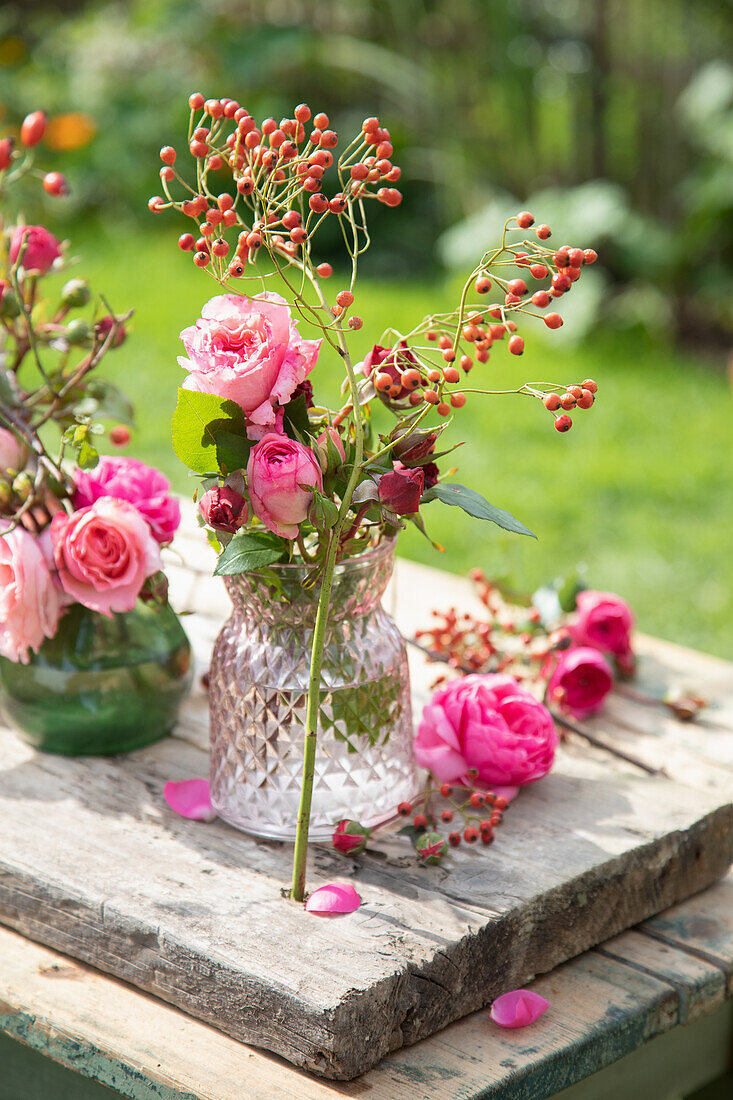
{"points": [[300, 854]]}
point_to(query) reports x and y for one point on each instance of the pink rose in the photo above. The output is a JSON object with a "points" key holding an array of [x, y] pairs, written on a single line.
{"points": [[581, 681], [141, 485], [12, 451], [605, 622], [29, 603], [224, 509], [103, 554], [39, 247], [401, 490], [490, 723], [280, 475], [248, 350]]}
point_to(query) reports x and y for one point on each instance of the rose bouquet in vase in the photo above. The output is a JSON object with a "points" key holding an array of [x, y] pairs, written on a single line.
{"points": [[309, 692], [92, 659]]}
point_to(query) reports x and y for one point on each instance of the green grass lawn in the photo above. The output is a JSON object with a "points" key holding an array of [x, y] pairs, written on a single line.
{"points": [[639, 491]]}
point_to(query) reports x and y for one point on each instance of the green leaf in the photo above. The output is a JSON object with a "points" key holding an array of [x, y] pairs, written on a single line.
{"points": [[295, 418], [86, 455], [204, 430], [249, 550], [475, 505]]}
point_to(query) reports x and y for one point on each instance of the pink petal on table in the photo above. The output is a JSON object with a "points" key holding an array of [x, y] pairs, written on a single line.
{"points": [[334, 897], [190, 798], [509, 793], [518, 1008]]}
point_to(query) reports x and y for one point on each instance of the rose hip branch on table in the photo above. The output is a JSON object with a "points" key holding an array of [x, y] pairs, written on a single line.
{"points": [[309, 692]]}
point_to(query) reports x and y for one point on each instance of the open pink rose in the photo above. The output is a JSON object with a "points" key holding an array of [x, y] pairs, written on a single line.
{"points": [[248, 350], [39, 248], [581, 681], [604, 621], [12, 451], [103, 554], [280, 476], [490, 723], [29, 603], [131, 480]]}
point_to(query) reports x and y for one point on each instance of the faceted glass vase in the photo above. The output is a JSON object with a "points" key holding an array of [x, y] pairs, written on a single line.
{"points": [[100, 685], [258, 688]]}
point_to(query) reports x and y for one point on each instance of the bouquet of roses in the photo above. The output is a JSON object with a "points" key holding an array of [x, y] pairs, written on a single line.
{"points": [[74, 527], [283, 478]]}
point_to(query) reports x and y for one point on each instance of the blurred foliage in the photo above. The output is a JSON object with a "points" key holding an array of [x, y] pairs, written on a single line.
{"points": [[613, 118]]}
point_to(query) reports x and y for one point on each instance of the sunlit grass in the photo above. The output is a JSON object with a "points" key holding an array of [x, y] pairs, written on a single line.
{"points": [[640, 491]]}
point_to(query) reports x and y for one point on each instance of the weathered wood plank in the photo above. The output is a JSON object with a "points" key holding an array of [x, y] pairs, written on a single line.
{"points": [[599, 1011], [94, 864]]}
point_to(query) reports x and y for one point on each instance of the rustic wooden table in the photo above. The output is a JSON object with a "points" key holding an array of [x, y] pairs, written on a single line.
{"points": [[628, 995]]}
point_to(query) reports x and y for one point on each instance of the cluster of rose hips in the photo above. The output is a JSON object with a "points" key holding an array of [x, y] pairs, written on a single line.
{"points": [[466, 802], [417, 374], [511, 638], [32, 130], [279, 172]]}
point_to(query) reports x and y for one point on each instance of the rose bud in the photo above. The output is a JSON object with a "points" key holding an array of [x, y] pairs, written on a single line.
{"points": [[223, 509], [34, 247], [411, 446], [431, 474], [104, 326], [401, 490], [75, 293], [330, 456], [604, 621], [9, 307], [581, 681], [350, 837], [13, 453], [431, 847], [281, 477]]}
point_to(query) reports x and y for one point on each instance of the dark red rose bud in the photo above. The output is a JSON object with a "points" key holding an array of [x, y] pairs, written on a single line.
{"points": [[224, 509], [393, 362], [412, 446], [401, 490], [104, 326], [431, 847], [431, 473], [350, 837]]}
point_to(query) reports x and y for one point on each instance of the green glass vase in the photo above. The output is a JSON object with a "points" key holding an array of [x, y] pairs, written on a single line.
{"points": [[101, 685]]}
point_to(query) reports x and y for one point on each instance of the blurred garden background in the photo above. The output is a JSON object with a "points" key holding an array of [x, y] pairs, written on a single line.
{"points": [[610, 119]]}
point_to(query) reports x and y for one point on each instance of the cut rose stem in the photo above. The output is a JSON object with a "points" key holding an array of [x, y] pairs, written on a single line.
{"points": [[300, 853], [597, 742]]}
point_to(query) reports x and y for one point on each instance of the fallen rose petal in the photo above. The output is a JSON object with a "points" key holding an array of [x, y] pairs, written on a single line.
{"points": [[334, 897], [518, 1008], [190, 798]]}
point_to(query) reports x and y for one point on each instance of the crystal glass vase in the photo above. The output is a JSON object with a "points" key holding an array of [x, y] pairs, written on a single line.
{"points": [[258, 686], [100, 685]]}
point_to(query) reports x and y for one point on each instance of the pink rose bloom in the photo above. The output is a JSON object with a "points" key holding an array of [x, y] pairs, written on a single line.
{"points": [[141, 485], [103, 554], [490, 723], [40, 251], [248, 350], [581, 681], [12, 451], [29, 603], [223, 508], [280, 475], [604, 621]]}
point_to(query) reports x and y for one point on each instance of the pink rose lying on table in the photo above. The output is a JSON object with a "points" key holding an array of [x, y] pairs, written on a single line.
{"points": [[581, 681], [103, 554], [250, 351], [280, 476], [141, 485], [36, 247], [490, 723], [603, 621], [29, 603]]}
